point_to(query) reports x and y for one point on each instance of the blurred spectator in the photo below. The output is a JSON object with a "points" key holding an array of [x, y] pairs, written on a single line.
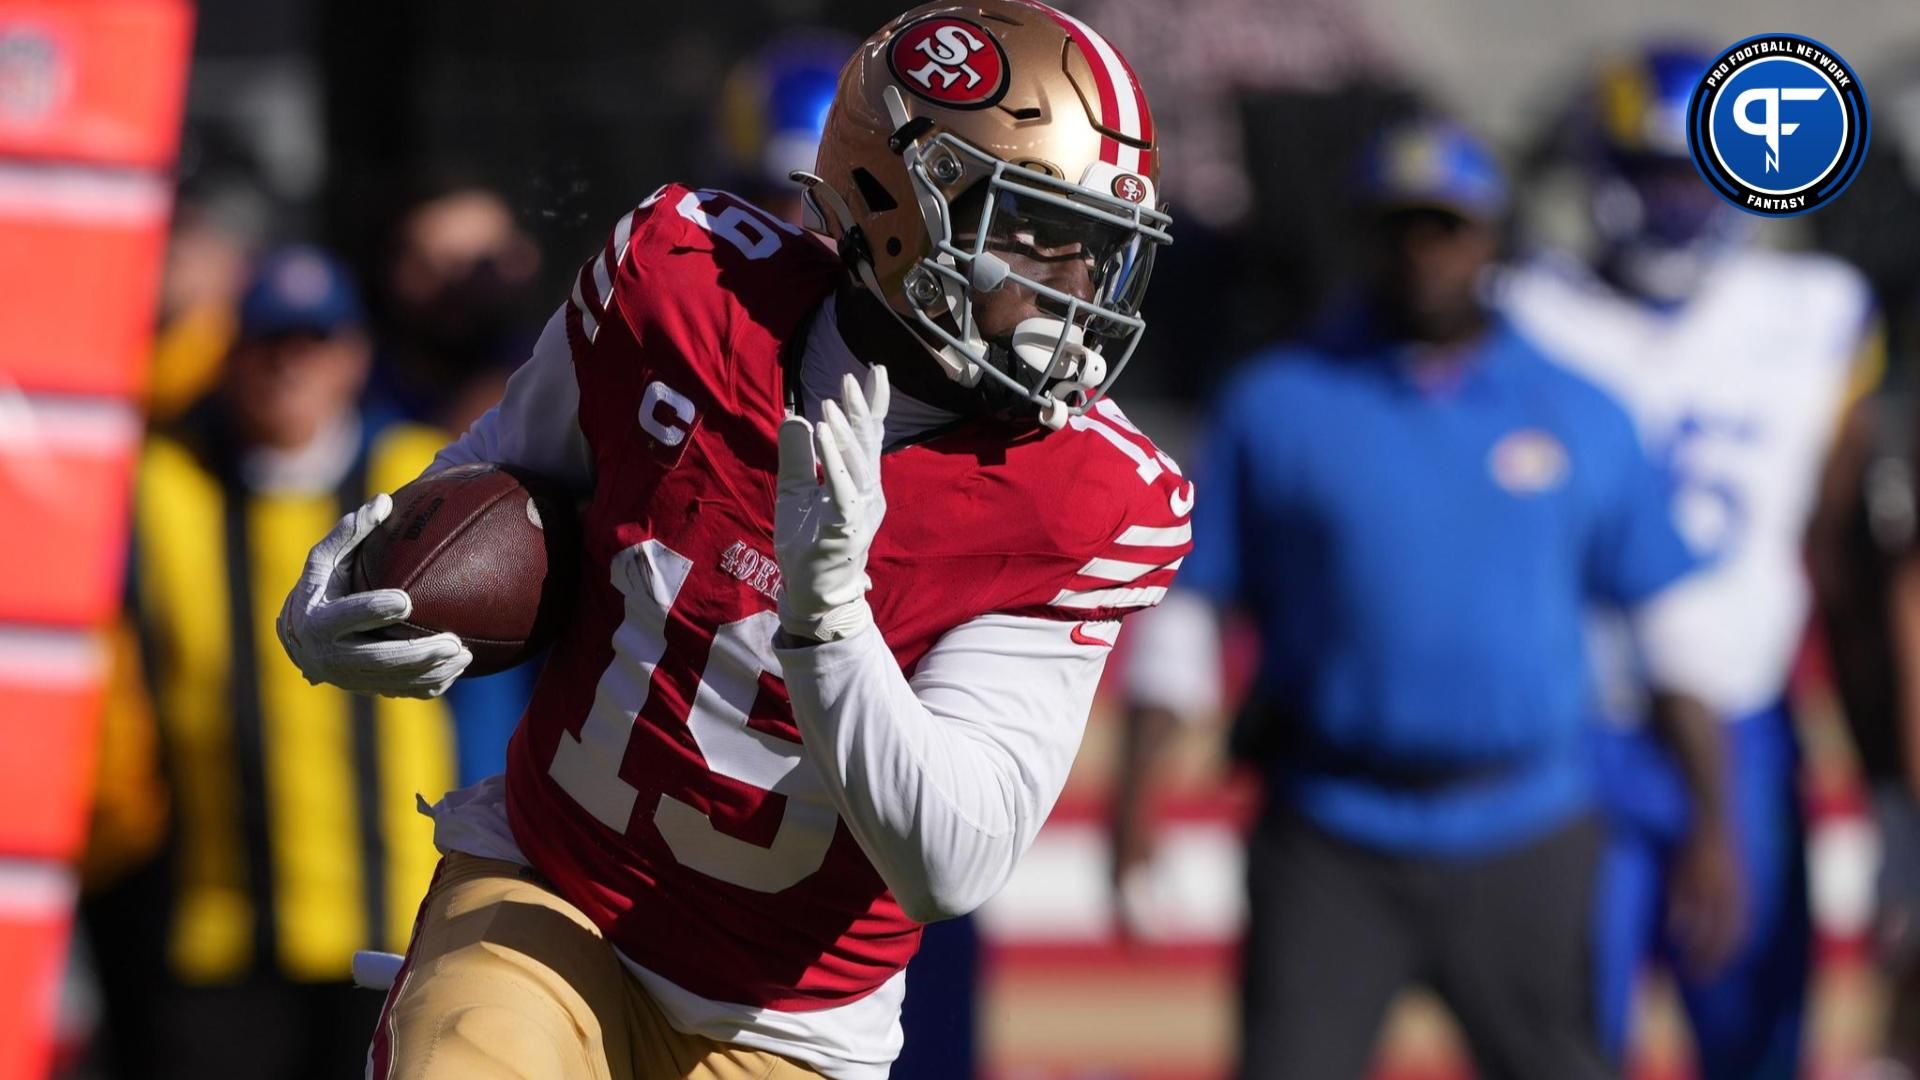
{"points": [[457, 313], [291, 838], [1415, 508], [1736, 363], [457, 316]]}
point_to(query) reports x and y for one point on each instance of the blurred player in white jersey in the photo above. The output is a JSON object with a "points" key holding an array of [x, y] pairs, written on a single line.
{"points": [[1738, 364]]}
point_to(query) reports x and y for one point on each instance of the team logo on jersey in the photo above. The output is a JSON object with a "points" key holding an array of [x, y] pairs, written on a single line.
{"points": [[1129, 187], [1778, 125], [753, 568], [950, 61], [1100, 635], [1528, 462]]}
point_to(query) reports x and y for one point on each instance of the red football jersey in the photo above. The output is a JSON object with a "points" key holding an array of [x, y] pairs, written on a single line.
{"points": [[657, 780]]}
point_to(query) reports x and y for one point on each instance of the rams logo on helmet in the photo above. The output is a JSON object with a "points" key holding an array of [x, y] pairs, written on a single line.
{"points": [[950, 61]]}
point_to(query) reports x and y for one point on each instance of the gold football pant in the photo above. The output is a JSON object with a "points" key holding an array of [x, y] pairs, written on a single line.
{"points": [[504, 980]]}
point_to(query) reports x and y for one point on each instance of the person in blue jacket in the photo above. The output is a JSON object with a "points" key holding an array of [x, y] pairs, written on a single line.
{"points": [[1415, 508]]}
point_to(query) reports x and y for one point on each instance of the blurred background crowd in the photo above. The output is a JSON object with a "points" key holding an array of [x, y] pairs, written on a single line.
{"points": [[377, 206]]}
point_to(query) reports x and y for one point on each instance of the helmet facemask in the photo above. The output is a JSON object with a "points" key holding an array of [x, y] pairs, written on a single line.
{"points": [[1658, 226], [977, 208]]}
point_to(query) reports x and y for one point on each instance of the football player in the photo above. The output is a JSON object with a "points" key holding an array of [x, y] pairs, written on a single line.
{"points": [[862, 524], [773, 108], [1737, 363]]}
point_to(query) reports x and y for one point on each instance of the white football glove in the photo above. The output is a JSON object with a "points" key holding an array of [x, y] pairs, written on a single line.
{"points": [[823, 527], [326, 629]]}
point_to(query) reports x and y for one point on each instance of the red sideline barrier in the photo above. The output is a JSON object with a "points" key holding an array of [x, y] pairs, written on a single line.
{"points": [[35, 915], [74, 238], [51, 689], [68, 471], [90, 100], [94, 82]]}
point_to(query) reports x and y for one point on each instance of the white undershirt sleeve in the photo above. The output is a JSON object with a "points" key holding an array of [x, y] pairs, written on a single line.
{"points": [[536, 426], [1173, 656], [945, 779]]}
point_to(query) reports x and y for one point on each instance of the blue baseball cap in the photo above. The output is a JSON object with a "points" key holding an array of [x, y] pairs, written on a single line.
{"points": [[297, 289], [1433, 163]]}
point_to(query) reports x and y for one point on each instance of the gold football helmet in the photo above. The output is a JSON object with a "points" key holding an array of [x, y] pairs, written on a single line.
{"points": [[965, 126]]}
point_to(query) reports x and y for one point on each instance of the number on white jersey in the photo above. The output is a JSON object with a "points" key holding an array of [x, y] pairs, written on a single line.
{"points": [[1704, 455]]}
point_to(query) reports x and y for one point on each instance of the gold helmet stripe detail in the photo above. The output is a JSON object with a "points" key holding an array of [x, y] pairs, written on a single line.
{"points": [[1122, 106]]}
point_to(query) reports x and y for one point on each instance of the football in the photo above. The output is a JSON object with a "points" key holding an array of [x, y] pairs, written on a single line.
{"points": [[486, 552]]}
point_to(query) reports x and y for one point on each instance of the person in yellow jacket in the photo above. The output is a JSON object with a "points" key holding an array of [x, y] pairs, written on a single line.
{"points": [[285, 827]]}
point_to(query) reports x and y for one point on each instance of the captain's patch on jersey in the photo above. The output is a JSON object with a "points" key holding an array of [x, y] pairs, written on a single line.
{"points": [[668, 417]]}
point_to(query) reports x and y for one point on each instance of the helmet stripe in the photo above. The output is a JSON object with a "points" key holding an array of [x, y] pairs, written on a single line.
{"points": [[1119, 98], [1102, 82], [1122, 105]]}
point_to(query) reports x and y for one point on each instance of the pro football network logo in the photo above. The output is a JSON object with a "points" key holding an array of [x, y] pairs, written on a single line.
{"points": [[950, 61], [1778, 125]]}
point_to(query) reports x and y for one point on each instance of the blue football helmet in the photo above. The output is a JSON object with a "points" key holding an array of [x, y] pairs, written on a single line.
{"points": [[1657, 221], [774, 107]]}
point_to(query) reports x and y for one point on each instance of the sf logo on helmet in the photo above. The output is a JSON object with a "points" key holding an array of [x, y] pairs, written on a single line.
{"points": [[1128, 186], [947, 51], [1778, 125], [949, 61]]}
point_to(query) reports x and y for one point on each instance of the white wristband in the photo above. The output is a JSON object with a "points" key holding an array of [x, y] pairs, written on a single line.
{"points": [[833, 624]]}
